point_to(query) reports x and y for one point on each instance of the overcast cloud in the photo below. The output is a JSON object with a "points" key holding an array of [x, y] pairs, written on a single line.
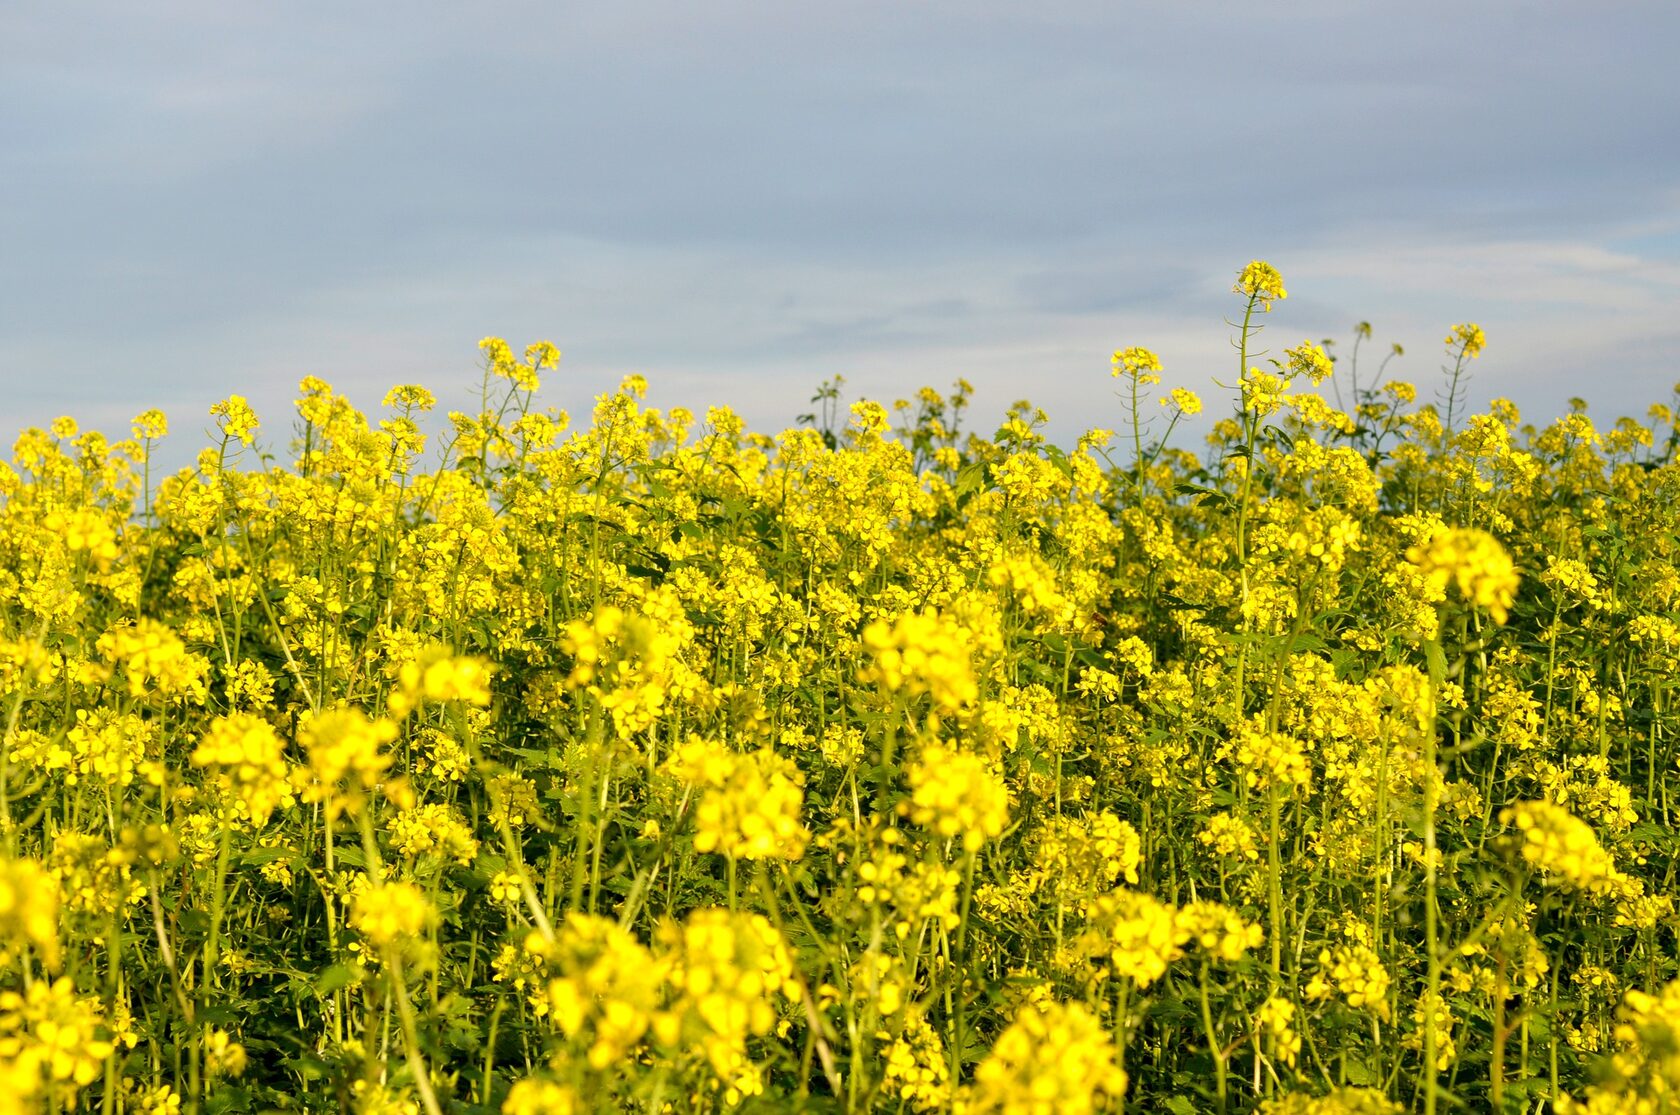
{"points": [[739, 200]]}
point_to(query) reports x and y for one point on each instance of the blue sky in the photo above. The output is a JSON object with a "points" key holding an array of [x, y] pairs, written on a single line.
{"points": [[739, 200]]}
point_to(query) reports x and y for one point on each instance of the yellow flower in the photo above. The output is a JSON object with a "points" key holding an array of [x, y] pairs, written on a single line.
{"points": [[1183, 400], [728, 969], [1475, 562], [608, 987], [922, 652], [150, 425], [1138, 363], [1356, 973], [1643, 1077], [535, 1096], [1272, 759], [433, 829], [392, 914], [1311, 360], [222, 1055], [1276, 1020], [1468, 338], [236, 419], [1057, 1059], [507, 887], [249, 761], [48, 1042], [1138, 935], [749, 804], [154, 659], [346, 752], [956, 793], [1563, 847], [437, 675], [28, 911], [1218, 930], [1261, 282], [409, 396]]}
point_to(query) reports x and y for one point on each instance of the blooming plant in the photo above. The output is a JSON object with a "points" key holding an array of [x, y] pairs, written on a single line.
{"points": [[488, 762]]}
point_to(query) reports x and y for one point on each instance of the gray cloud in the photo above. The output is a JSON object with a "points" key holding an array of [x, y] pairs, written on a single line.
{"points": [[741, 199]]}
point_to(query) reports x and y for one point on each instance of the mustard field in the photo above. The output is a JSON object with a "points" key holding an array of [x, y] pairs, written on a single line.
{"points": [[511, 763]]}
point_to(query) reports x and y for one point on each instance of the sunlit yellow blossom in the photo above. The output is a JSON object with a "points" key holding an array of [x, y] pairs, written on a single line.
{"points": [[1356, 974], [956, 793], [1475, 562], [222, 1055], [1138, 363], [1562, 846], [1468, 338], [346, 751], [749, 804], [1310, 360], [236, 419], [1183, 400], [248, 758], [1135, 934], [533, 1096], [409, 396], [1058, 1060], [440, 676], [392, 914], [922, 652], [1276, 1020], [1272, 759], [154, 659], [729, 970], [608, 986], [28, 912], [1218, 930], [1260, 281], [48, 1041], [150, 425]]}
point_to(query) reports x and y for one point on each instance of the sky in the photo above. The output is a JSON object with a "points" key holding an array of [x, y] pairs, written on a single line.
{"points": [[739, 200]]}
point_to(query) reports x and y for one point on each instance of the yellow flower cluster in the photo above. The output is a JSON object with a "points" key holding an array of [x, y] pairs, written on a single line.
{"points": [[235, 418], [50, 1046], [1643, 1076], [249, 760], [1218, 930], [729, 970], [922, 652], [534, 1096], [1137, 363], [609, 987], [1085, 855], [155, 660], [392, 915], [1354, 972], [1054, 1060], [1275, 1020], [749, 804], [1563, 847], [1135, 935], [1260, 282], [1474, 562], [433, 828], [347, 755], [958, 794], [439, 676], [28, 912], [1272, 760], [1468, 338]]}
